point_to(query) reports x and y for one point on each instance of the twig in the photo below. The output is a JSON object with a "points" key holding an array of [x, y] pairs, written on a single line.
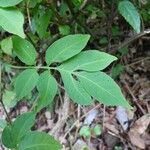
{"points": [[84, 3], [28, 14], [104, 114], [78, 124], [34, 103], [134, 98], [128, 41], [139, 61], [62, 118]]}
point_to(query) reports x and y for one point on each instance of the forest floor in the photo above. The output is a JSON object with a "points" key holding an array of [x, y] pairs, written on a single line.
{"points": [[65, 119]]}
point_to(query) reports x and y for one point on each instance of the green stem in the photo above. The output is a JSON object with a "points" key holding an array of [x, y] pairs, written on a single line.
{"points": [[1, 101], [33, 67]]}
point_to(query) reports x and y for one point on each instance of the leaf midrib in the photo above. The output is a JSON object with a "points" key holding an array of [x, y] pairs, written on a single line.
{"points": [[82, 65], [76, 87]]}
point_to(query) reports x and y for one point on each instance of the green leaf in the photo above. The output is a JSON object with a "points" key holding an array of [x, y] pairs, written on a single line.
{"points": [[3, 123], [64, 29], [41, 21], [47, 87], [97, 130], [22, 126], [129, 12], [7, 45], [91, 60], [39, 141], [24, 50], [103, 40], [74, 89], [25, 82], [117, 70], [12, 135], [7, 137], [66, 48], [9, 99], [8, 3], [123, 51], [85, 132], [103, 88], [12, 21]]}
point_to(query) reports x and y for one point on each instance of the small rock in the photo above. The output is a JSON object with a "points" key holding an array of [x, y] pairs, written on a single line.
{"points": [[122, 117], [90, 117]]}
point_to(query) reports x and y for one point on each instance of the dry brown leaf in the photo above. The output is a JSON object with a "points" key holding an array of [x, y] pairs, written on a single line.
{"points": [[136, 140], [111, 128], [141, 124], [135, 133]]}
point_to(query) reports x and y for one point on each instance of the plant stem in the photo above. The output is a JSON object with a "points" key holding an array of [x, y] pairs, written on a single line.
{"points": [[7, 115], [1, 101], [33, 67]]}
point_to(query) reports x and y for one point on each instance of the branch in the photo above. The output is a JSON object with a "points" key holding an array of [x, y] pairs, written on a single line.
{"points": [[62, 118], [137, 36]]}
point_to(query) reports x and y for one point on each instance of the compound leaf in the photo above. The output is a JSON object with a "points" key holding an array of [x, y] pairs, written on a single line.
{"points": [[47, 87], [24, 50], [66, 48], [39, 141], [12, 21], [91, 60], [75, 90], [25, 82], [8, 3], [129, 12], [100, 86]]}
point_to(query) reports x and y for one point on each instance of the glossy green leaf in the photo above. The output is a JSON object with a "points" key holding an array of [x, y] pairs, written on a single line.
{"points": [[74, 90], [66, 48], [100, 86], [47, 87], [24, 50], [22, 126], [12, 21], [7, 137], [7, 45], [129, 12], [39, 141], [25, 82], [8, 3], [91, 60]]}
